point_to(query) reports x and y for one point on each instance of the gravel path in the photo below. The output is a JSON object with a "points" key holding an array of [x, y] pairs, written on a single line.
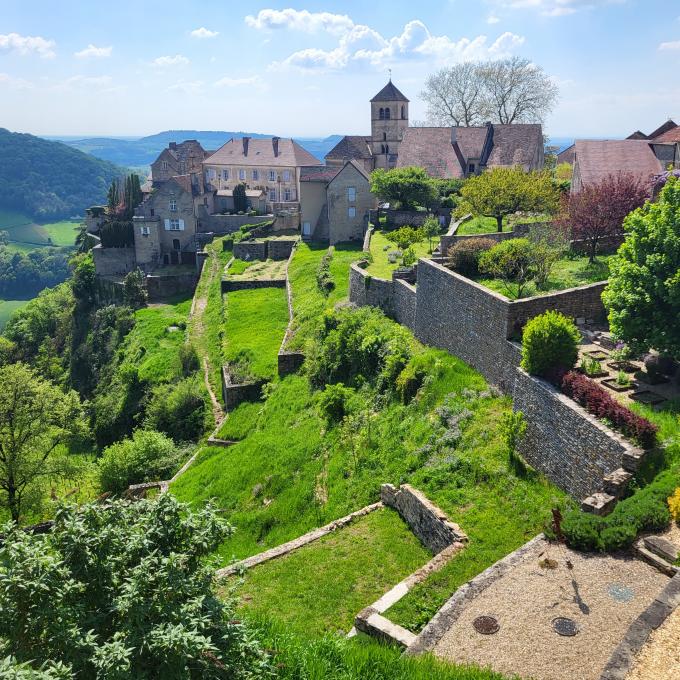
{"points": [[602, 594], [660, 657]]}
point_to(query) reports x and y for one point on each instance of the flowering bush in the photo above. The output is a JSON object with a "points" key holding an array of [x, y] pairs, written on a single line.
{"points": [[598, 401], [674, 505]]}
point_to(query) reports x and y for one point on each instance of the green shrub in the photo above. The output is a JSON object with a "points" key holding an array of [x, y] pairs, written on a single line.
{"points": [[411, 378], [511, 261], [333, 402], [404, 237], [582, 530], [188, 358], [134, 292], [178, 410], [549, 344], [465, 254], [324, 279], [617, 536], [148, 456]]}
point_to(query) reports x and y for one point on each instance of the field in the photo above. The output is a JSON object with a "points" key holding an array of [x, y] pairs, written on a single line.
{"points": [[354, 566], [381, 246], [26, 235], [7, 308]]}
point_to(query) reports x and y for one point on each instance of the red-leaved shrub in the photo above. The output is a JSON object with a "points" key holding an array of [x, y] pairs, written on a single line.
{"points": [[596, 400]]}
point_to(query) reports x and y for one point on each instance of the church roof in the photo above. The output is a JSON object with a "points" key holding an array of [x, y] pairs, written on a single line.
{"points": [[351, 146], [389, 93]]}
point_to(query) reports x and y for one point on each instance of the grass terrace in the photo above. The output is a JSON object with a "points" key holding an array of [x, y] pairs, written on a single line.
{"points": [[257, 270], [255, 324], [570, 271], [380, 249], [354, 566], [488, 225]]}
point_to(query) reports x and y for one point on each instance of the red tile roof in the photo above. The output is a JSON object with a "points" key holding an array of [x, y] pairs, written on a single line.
{"points": [[351, 146], [430, 148], [319, 173], [595, 159], [671, 136], [668, 125], [516, 144], [261, 152]]}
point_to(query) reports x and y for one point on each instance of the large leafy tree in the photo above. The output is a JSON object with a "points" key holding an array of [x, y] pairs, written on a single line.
{"points": [[503, 191], [409, 187], [35, 417], [597, 211], [643, 294], [122, 590]]}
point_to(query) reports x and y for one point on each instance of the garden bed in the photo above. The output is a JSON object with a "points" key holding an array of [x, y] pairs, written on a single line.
{"points": [[381, 248]]}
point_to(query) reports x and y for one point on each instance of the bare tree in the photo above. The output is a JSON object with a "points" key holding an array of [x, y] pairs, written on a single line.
{"points": [[455, 95], [517, 91], [505, 91]]}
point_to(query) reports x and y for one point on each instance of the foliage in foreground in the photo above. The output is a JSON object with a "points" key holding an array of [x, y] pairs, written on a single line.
{"points": [[122, 590], [643, 295]]}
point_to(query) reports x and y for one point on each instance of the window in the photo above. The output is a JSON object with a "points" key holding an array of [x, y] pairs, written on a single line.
{"points": [[272, 195], [272, 175], [175, 244], [145, 231], [225, 174], [471, 168], [382, 114], [384, 136], [351, 211], [403, 113], [173, 205], [387, 148], [351, 194], [287, 195], [286, 175], [205, 201], [174, 225], [152, 212], [164, 165], [387, 114], [241, 174], [256, 175]]}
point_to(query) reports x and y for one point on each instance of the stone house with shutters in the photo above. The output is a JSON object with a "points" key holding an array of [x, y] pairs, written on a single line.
{"points": [[335, 202], [270, 168]]}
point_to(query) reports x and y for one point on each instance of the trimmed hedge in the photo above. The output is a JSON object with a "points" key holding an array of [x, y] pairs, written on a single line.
{"points": [[465, 254], [596, 400], [549, 344], [646, 510]]}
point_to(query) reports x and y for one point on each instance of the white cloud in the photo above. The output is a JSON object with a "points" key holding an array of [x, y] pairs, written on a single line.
{"points": [[187, 87], [238, 82], [492, 19], [93, 51], [27, 44], [557, 8], [361, 43], [14, 83], [203, 33], [301, 20], [177, 60], [674, 45]]}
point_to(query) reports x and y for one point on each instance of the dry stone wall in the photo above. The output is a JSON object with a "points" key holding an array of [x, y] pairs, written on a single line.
{"points": [[404, 303], [250, 250], [365, 289], [280, 249]]}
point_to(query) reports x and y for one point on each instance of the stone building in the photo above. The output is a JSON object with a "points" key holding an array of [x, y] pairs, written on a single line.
{"points": [[185, 158], [335, 202], [380, 149], [267, 166]]}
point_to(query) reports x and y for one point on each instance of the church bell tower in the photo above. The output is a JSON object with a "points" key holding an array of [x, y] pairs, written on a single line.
{"points": [[389, 119]]}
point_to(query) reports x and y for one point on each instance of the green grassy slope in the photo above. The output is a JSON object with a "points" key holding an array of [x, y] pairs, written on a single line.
{"points": [[7, 308]]}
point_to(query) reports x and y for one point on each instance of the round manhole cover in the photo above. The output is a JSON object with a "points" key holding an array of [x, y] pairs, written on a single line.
{"points": [[565, 626], [486, 625], [620, 593]]}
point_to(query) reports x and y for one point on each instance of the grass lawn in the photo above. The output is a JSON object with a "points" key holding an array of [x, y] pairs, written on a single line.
{"points": [[309, 303], [354, 566], [487, 225], [25, 235], [237, 267], [257, 270], [7, 308], [569, 272], [380, 247], [256, 321], [152, 345], [62, 233]]}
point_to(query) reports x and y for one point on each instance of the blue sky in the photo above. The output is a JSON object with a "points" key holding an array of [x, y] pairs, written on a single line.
{"points": [[138, 67]]}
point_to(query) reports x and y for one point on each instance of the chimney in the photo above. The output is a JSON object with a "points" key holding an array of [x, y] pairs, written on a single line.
{"points": [[275, 144], [173, 146], [246, 141]]}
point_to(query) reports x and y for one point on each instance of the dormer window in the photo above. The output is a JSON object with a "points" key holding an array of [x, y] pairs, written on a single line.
{"points": [[173, 205]]}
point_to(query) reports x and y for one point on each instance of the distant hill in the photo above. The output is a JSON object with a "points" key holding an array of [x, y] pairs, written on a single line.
{"points": [[48, 180], [143, 151]]}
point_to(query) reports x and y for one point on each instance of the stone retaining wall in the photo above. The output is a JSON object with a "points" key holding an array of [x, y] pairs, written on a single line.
{"points": [[234, 394], [402, 218], [227, 224], [229, 285], [113, 261], [571, 447], [426, 520], [250, 250], [365, 289], [404, 303], [289, 363], [159, 286], [280, 249]]}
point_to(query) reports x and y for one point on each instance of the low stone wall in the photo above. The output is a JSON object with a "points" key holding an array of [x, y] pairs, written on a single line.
{"points": [[289, 363], [159, 286], [108, 290], [402, 218], [113, 261], [229, 285], [365, 289], [233, 395], [571, 447], [584, 302], [227, 224], [250, 250], [426, 520], [280, 249]]}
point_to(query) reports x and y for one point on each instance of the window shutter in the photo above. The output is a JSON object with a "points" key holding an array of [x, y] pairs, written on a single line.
{"points": [[181, 225], [167, 225]]}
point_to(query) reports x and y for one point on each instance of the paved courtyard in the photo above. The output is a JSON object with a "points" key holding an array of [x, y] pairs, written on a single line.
{"points": [[600, 594]]}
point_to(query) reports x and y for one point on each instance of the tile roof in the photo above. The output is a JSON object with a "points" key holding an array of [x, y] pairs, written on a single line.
{"points": [[671, 136], [515, 144], [430, 148], [668, 125], [389, 93], [351, 146], [357, 167], [183, 181], [319, 173], [567, 155], [261, 152], [598, 158], [638, 134]]}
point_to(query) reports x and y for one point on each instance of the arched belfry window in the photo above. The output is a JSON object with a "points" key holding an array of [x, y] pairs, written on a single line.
{"points": [[384, 136], [387, 149], [382, 113], [387, 114], [403, 113]]}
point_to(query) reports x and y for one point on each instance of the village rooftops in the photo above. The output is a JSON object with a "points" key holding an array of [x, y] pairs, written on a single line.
{"points": [[350, 146], [273, 152]]}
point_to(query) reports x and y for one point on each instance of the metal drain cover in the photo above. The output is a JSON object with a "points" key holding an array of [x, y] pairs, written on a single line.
{"points": [[620, 593], [486, 625], [564, 626]]}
